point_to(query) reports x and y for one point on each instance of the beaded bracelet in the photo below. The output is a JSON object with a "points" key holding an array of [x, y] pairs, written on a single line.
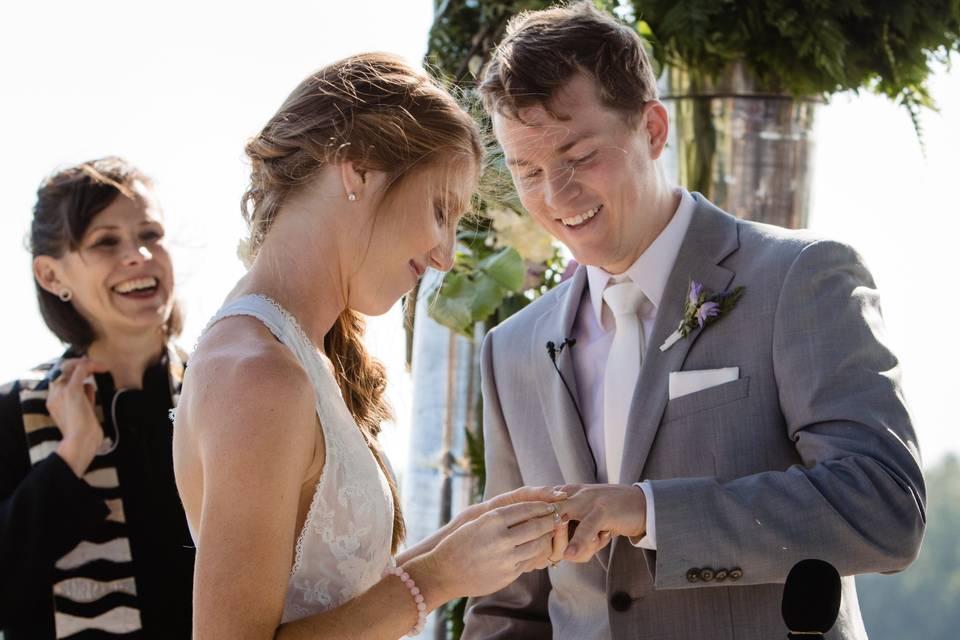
{"points": [[415, 592]]}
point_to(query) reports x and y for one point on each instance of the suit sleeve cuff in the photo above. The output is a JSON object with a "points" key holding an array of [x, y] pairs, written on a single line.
{"points": [[649, 539]]}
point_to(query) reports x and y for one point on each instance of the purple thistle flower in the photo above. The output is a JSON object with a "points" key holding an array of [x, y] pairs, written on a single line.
{"points": [[707, 310], [695, 289]]}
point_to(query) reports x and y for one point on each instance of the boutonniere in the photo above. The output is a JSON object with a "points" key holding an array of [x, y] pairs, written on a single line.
{"points": [[700, 309]]}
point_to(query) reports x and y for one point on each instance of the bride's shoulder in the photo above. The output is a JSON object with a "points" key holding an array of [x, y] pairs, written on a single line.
{"points": [[241, 349], [241, 375]]}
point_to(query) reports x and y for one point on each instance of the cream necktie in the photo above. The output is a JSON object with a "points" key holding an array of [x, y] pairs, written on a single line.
{"points": [[622, 370]]}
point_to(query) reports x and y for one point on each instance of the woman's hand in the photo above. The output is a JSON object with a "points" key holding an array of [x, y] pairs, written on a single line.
{"points": [[523, 494], [471, 513], [489, 552], [526, 494], [71, 406]]}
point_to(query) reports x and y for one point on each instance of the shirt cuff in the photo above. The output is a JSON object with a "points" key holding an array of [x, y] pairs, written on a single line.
{"points": [[649, 539]]}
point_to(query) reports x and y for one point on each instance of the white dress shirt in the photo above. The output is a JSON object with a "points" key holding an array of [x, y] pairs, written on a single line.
{"points": [[594, 327]]}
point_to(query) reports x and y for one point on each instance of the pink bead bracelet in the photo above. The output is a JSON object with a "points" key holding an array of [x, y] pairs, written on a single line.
{"points": [[393, 570]]}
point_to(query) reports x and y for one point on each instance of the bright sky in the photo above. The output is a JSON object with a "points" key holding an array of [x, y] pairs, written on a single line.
{"points": [[177, 87]]}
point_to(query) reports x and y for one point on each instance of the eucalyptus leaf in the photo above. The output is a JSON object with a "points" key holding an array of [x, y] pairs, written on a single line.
{"points": [[506, 267], [450, 303], [486, 295]]}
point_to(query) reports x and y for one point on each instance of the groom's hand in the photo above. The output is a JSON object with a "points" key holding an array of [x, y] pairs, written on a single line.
{"points": [[603, 511]]}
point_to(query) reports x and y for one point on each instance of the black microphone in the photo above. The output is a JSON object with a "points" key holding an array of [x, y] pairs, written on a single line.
{"points": [[811, 599], [552, 352]]}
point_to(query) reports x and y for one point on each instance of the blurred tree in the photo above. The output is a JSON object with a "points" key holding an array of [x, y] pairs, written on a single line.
{"points": [[922, 602]]}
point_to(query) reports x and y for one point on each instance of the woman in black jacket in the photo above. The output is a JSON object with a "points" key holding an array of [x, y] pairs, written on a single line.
{"points": [[93, 539]]}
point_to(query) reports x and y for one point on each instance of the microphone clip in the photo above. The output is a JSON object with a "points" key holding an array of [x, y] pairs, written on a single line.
{"points": [[554, 350]]}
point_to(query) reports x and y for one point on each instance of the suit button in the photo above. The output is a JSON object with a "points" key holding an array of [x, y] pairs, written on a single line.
{"points": [[736, 573], [721, 575], [693, 575], [620, 601], [707, 574]]}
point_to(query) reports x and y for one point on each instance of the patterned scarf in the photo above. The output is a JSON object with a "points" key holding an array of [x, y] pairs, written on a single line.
{"points": [[93, 585]]}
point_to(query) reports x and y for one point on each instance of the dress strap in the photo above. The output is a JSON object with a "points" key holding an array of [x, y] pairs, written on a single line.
{"points": [[260, 307], [284, 326]]}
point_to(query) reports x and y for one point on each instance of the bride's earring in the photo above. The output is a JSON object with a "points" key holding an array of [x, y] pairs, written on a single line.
{"points": [[352, 197], [65, 295]]}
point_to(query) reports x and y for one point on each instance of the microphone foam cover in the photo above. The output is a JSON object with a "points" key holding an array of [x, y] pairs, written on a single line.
{"points": [[811, 597]]}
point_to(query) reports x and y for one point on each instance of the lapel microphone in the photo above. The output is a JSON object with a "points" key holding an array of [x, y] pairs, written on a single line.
{"points": [[811, 599], [552, 352]]}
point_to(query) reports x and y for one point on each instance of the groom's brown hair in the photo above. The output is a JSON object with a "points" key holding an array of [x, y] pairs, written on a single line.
{"points": [[543, 49]]}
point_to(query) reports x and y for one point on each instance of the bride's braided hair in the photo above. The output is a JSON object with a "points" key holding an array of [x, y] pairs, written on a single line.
{"points": [[380, 113]]}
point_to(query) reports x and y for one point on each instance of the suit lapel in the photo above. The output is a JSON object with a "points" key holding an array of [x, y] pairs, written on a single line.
{"points": [[560, 414], [711, 237]]}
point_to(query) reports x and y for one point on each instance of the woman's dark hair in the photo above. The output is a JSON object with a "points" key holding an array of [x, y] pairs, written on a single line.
{"points": [[67, 202]]}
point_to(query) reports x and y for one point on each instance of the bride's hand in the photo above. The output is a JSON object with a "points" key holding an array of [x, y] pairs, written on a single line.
{"points": [[528, 494], [471, 513], [523, 494], [490, 551]]}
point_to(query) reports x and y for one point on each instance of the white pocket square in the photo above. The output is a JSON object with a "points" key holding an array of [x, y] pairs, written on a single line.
{"points": [[686, 382]]}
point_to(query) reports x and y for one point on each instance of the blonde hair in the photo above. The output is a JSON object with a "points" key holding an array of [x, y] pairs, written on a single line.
{"points": [[380, 113]]}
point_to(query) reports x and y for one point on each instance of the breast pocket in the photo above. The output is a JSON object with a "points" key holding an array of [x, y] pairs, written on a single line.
{"points": [[706, 399]]}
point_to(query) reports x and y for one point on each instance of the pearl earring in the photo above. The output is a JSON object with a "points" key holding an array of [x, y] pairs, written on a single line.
{"points": [[65, 295], [352, 197]]}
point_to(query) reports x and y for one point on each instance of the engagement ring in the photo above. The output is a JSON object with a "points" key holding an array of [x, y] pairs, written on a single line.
{"points": [[557, 520]]}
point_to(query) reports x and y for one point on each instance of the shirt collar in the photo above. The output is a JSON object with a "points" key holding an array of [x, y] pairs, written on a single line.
{"points": [[652, 269]]}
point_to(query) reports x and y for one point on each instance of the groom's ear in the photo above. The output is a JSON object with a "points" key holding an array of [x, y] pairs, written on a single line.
{"points": [[655, 125]]}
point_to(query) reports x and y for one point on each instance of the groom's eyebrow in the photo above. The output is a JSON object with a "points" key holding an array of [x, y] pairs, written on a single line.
{"points": [[566, 146], [517, 162], [572, 143]]}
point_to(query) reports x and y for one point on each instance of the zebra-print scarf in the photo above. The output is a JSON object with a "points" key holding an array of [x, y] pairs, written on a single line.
{"points": [[93, 584]]}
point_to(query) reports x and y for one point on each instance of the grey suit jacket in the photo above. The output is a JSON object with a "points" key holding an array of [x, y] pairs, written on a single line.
{"points": [[810, 454]]}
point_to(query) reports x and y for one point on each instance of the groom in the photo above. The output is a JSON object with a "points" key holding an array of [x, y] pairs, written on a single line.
{"points": [[703, 465]]}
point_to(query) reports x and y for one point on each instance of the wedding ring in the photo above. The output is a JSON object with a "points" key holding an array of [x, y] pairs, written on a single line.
{"points": [[557, 520]]}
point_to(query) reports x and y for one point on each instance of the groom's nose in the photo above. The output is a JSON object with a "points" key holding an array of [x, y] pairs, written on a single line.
{"points": [[559, 188]]}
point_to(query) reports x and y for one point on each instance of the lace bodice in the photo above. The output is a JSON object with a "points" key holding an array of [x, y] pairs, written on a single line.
{"points": [[344, 545]]}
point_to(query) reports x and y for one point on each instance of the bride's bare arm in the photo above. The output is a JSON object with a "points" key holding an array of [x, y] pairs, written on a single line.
{"points": [[479, 557], [255, 426], [254, 423]]}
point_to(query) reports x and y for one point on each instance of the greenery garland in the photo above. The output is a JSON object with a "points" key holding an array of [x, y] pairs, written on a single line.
{"points": [[810, 47]]}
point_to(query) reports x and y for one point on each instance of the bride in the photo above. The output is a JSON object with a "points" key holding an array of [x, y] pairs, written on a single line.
{"points": [[356, 187]]}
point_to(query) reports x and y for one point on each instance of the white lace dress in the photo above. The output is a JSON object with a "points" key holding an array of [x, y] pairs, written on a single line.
{"points": [[344, 545]]}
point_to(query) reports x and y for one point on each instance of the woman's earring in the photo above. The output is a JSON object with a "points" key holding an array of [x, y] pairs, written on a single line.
{"points": [[65, 295], [352, 197]]}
